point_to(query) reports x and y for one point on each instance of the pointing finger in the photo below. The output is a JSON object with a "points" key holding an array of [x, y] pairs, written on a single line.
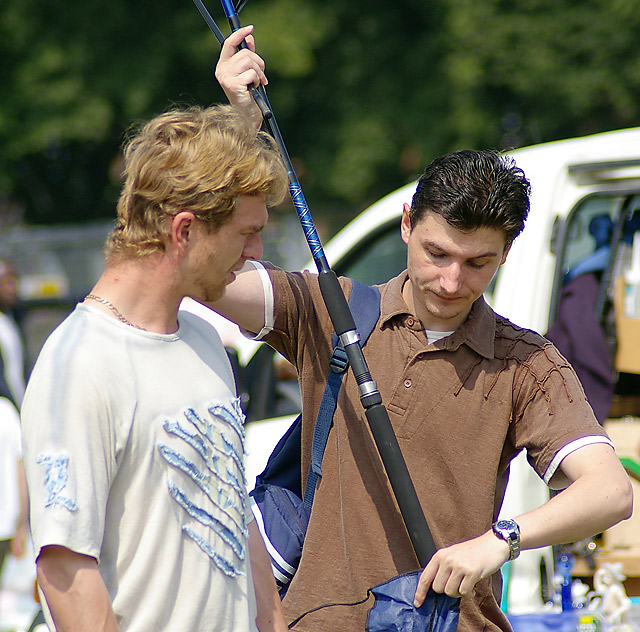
{"points": [[234, 40]]}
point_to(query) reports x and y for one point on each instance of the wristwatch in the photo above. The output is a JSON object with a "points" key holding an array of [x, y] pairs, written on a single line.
{"points": [[509, 531]]}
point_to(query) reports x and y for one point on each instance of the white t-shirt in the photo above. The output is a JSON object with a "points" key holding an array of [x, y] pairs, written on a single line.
{"points": [[434, 336], [10, 455], [134, 453]]}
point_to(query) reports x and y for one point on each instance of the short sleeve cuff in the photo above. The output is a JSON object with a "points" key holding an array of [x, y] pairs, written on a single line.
{"points": [[568, 449], [267, 288]]}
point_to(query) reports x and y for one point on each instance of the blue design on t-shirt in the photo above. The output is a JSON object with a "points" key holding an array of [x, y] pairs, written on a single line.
{"points": [[209, 485], [55, 480]]}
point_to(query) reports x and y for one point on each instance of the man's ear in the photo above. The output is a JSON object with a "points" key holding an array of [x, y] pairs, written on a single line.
{"points": [[181, 229], [405, 224], [507, 248]]}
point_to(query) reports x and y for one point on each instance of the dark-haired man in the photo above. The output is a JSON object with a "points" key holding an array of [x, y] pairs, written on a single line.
{"points": [[466, 390]]}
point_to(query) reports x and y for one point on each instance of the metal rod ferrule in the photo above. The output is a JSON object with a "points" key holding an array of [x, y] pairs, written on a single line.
{"points": [[349, 338], [368, 388]]}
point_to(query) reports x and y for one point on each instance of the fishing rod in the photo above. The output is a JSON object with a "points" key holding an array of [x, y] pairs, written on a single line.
{"points": [[344, 326]]}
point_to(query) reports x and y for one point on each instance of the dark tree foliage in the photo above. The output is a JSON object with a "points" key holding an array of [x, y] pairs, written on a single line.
{"points": [[365, 93]]}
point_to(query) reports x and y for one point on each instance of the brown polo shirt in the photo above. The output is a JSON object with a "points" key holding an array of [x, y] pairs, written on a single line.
{"points": [[461, 408]]}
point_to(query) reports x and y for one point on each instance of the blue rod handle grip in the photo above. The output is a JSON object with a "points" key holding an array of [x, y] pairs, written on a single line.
{"points": [[306, 221]]}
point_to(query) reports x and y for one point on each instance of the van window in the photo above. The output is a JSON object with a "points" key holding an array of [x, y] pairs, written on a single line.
{"points": [[378, 257], [589, 230]]}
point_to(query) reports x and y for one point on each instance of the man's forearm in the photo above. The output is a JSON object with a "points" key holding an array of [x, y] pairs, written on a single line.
{"points": [[595, 500], [598, 497], [75, 592]]}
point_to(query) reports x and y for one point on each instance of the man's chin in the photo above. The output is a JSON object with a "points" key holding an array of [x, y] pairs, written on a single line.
{"points": [[447, 312], [211, 295], [218, 294]]}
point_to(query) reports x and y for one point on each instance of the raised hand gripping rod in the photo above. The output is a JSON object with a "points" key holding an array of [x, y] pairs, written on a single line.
{"points": [[345, 328]]}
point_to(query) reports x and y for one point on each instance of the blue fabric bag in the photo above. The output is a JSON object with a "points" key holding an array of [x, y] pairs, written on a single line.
{"points": [[281, 514], [394, 611]]}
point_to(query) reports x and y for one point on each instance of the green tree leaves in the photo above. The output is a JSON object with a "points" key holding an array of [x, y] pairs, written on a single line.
{"points": [[365, 93]]}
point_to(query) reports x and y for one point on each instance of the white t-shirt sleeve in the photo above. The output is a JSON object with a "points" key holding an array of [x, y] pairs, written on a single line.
{"points": [[69, 473]]}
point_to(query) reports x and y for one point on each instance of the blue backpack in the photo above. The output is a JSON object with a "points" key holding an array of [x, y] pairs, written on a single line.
{"points": [[280, 509]]}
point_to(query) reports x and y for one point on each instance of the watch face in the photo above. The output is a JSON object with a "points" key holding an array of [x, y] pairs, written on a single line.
{"points": [[508, 530]]}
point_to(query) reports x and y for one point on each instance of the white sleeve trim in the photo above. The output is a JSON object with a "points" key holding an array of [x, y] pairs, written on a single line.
{"points": [[568, 449], [267, 288]]}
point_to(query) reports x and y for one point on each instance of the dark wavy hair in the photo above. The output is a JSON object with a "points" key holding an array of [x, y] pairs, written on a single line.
{"points": [[472, 189]]}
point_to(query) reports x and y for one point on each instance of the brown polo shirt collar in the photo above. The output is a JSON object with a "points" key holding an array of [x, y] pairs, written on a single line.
{"points": [[477, 332]]}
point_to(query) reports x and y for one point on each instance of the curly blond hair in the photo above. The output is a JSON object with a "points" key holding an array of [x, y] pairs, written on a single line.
{"points": [[198, 160]]}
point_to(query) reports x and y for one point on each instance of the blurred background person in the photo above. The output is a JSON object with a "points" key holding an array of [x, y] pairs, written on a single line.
{"points": [[11, 343]]}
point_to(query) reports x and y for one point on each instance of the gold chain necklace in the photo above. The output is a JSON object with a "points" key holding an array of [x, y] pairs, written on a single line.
{"points": [[114, 309]]}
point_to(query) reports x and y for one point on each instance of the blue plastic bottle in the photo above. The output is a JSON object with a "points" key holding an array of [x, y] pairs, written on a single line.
{"points": [[565, 566]]}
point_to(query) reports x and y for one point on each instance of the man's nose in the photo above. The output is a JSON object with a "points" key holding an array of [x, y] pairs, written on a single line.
{"points": [[253, 247], [451, 278]]}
